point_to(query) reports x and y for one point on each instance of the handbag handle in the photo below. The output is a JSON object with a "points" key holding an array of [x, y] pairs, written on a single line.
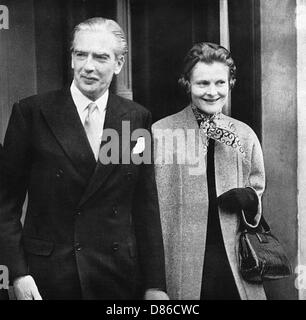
{"points": [[262, 223]]}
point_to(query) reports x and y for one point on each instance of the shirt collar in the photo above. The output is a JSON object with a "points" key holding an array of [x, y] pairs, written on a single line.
{"points": [[81, 101], [219, 128]]}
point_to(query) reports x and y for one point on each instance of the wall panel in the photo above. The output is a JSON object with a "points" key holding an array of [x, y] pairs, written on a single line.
{"points": [[279, 129], [17, 58]]}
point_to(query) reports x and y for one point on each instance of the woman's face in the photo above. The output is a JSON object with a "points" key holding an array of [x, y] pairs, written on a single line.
{"points": [[209, 86]]}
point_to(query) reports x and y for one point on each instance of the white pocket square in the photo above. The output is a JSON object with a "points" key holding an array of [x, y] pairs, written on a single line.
{"points": [[140, 146]]}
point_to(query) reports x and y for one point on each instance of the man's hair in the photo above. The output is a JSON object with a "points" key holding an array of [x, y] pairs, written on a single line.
{"points": [[209, 53], [102, 24]]}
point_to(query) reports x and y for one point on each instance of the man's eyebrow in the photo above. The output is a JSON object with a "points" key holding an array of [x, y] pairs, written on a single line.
{"points": [[79, 51], [95, 54], [101, 55]]}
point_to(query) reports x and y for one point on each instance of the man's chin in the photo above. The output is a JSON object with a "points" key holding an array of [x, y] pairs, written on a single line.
{"points": [[92, 93]]}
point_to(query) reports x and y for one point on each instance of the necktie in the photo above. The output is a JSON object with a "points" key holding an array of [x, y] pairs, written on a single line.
{"points": [[93, 128]]}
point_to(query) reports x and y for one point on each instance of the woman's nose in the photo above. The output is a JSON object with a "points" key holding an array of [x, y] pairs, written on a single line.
{"points": [[212, 90]]}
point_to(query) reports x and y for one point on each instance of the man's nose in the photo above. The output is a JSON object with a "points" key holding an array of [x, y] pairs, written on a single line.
{"points": [[89, 64], [212, 90]]}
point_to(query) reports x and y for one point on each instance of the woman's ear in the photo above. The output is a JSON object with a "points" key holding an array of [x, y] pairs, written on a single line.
{"points": [[232, 83], [185, 84]]}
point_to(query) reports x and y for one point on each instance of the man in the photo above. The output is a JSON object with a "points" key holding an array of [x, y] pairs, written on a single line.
{"points": [[3, 290], [91, 231]]}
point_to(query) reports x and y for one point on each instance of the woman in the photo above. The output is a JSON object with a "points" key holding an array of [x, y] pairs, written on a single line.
{"points": [[210, 175]]}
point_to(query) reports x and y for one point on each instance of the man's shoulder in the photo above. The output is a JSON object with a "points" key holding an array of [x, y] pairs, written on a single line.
{"points": [[34, 103], [44, 97], [173, 121], [130, 104]]}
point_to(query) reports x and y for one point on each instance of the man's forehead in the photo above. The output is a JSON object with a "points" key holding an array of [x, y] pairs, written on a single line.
{"points": [[102, 34], [95, 41]]}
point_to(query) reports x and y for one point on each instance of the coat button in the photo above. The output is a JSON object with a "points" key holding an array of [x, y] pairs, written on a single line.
{"points": [[78, 247], [115, 211], [78, 213], [129, 176], [115, 246]]}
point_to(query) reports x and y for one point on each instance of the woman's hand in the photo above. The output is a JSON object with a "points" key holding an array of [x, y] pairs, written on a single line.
{"points": [[156, 294], [238, 199]]}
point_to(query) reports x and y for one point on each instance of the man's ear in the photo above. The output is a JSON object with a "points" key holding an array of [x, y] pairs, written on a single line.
{"points": [[72, 66], [119, 64]]}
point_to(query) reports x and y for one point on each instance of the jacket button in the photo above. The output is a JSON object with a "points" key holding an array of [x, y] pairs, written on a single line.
{"points": [[115, 246], [115, 211], [78, 213], [59, 173], [129, 176], [78, 247]]}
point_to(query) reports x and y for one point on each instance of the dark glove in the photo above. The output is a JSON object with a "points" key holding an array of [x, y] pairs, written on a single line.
{"points": [[238, 199]]}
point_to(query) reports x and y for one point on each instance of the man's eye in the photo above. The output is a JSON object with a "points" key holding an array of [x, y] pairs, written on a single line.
{"points": [[80, 54], [101, 58]]}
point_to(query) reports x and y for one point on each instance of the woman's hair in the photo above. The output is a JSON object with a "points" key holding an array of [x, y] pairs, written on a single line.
{"points": [[102, 24], [208, 53]]}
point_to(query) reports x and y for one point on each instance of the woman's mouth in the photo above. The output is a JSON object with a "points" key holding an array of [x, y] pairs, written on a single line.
{"points": [[211, 100]]}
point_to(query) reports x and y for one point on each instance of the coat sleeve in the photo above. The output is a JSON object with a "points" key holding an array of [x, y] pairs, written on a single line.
{"points": [[147, 223], [13, 185], [256, 179]]}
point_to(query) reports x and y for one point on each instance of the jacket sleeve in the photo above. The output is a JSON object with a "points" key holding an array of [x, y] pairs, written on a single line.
{"points": [[147, 223], [13, 186], [256, 179]]}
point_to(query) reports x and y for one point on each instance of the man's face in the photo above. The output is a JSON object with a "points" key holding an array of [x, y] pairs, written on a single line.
{"points": [[94, 62]]}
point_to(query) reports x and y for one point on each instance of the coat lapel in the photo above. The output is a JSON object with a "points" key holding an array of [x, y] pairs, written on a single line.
{"points": [[116, 112], [64, 121]]}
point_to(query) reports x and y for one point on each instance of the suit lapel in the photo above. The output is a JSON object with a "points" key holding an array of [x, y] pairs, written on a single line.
{"points": [[64, 121], [116, 112]]}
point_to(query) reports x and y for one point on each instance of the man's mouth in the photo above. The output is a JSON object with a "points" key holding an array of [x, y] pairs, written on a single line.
{"points": [[89, 79]]}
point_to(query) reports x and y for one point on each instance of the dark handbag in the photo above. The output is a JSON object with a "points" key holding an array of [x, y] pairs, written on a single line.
{"points": [[261, 256]]}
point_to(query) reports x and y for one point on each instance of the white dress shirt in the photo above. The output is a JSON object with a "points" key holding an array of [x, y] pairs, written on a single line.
{"points": [[81, 102]]}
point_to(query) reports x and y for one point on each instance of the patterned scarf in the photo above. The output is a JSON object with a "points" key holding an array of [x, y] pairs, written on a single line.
{"points": [[210, 126]]}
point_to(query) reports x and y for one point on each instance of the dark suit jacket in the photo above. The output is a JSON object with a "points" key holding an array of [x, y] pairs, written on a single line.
{"points": [[3, 292], [91, 231]]}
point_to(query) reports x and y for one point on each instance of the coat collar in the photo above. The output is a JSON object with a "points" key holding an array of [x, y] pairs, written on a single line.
{"points": [[221, 120], [222, 130]]}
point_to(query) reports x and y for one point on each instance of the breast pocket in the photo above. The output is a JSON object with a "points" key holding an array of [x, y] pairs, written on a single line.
{"points": [[38, 247]]}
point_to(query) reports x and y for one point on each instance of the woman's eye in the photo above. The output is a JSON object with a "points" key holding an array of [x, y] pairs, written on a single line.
{"points": [[203, 83], [220, 82]]}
